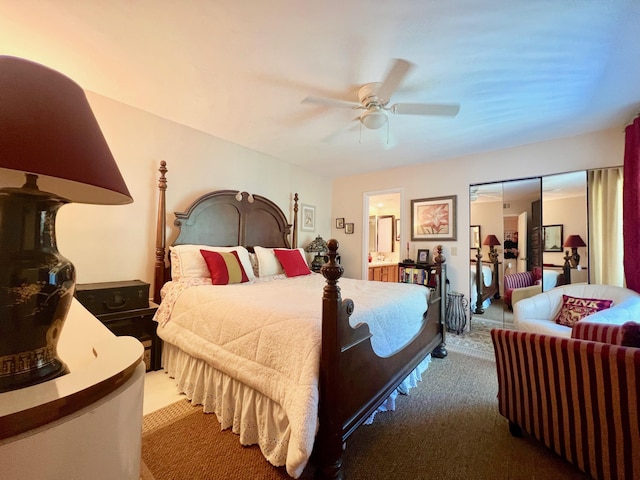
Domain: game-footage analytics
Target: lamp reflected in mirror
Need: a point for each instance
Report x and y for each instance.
(574, 242)
(492, 241)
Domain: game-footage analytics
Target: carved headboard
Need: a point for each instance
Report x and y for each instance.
(222, 218)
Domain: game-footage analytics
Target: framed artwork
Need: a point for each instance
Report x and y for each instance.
(397, 229)
(348, 228)
(474, 236)
(552, 238)
(339, 222)
(423, 256)
(308, 218)
(433, 218)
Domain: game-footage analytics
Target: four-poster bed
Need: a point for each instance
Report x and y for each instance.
(345, 392)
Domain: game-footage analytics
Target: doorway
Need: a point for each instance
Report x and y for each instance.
(382, 239)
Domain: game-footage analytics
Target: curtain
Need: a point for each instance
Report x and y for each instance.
(605, 187)
(631, 206)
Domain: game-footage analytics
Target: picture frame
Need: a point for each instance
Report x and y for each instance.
(348, 228)
(308, 218)
(340, 222)
(397, 229)
(422, 256)
(474, 237)
(552, 239)
(434, 218)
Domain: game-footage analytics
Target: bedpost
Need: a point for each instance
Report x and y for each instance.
(161, 229)
(295, 221)
(329, 440)
(479, 284)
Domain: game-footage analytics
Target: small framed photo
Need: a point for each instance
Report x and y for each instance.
(308, 218)
(423, 256)
(339, 222)
(348, 228)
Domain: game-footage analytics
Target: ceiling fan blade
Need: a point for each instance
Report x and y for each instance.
(442, 109)
(396, 74)
(331, 102)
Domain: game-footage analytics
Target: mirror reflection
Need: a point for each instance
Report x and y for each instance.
(549, 230)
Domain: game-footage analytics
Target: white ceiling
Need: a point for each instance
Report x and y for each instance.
(522, 71)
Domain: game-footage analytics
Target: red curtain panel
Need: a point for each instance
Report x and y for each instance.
(631, 205)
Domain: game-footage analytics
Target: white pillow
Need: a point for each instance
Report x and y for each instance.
(187, 261)
(268, 263)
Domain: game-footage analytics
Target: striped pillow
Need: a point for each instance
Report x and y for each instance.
(575, 309)
(224, 267)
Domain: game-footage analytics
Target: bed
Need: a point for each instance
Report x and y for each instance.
(484, 283)
(326, 354)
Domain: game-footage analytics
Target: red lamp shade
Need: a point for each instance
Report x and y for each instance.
(574, 241)
(52, 152)
(47, 128)
(491, 240)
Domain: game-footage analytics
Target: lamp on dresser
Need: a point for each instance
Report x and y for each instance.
(317, 246)
(52, 152)
(492, 241)
(574, 242)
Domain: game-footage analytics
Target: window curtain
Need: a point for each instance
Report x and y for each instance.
(604, 187)
(631, 206)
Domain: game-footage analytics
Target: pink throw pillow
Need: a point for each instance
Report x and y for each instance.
(575, 309)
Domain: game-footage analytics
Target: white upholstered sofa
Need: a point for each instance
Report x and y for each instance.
(537, 314)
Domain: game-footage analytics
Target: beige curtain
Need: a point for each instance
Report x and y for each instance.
(606, 249)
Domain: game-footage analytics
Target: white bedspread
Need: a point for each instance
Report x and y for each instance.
(267, 335)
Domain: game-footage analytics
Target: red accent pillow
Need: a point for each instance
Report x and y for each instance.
(575, 309)
(224, 267)
(292, 262)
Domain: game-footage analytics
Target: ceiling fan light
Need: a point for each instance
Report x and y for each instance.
(373, 119)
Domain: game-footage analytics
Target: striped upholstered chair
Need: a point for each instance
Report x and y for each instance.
(580, 396)
(514, 281)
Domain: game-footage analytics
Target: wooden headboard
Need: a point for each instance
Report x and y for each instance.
(223, 218)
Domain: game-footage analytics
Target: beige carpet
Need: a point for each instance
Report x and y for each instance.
(448, 429)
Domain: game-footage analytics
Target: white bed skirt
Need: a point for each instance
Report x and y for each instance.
(257, 419)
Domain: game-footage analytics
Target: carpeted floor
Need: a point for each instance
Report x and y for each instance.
(447, 428)
(476, 341)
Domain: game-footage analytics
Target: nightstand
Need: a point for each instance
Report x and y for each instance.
(138, 323)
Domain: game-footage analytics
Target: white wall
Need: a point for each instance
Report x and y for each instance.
(453, 177)
(108, 243)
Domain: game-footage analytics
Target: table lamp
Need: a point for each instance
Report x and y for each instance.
(52, 152)
(573, 242)
(317, 246)
(492, 241)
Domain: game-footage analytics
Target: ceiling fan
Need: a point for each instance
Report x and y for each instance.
(374, 99)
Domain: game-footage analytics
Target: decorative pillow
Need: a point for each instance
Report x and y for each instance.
(268, 263)
(224, 267)
(575, 309)
(188, 262)
(292, 262)
(630, 334)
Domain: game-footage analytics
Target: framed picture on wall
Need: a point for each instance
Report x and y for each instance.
(552, 238)
(339, 222)
(433, 218)
(308, 218)
(348, 228)
(474, 236)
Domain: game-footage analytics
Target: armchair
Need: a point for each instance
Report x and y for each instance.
(514, 281)
(537, 314)
(579, 395)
